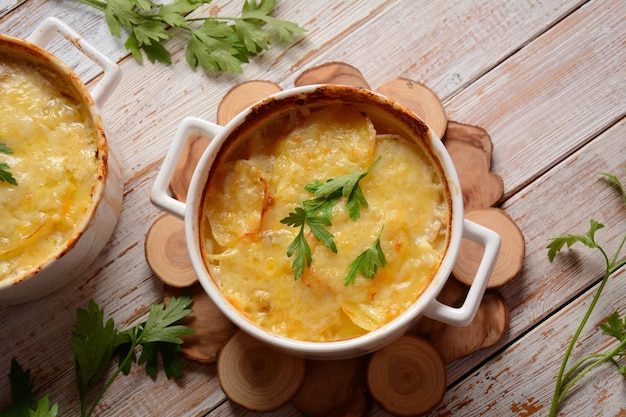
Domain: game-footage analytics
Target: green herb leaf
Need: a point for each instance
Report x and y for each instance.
(172, 364)
(348, 186)
(44, 410)
(5, 175)
(210, 48)
(557, 243)
(615, 182)
(302, 259)
(615, 326)
(160, 324)
(92, 344)
(367, 263)
(300, 247)
(5, 149)
(21, 392)
(22, 396)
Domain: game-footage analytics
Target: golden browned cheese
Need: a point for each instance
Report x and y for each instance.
(262, 181)
(53, 161)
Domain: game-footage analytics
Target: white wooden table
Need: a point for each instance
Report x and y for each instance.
(545, 79)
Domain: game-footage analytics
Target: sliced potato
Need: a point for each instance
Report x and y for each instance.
(238, 210)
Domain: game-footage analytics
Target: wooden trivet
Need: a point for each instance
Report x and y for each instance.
(429, 342)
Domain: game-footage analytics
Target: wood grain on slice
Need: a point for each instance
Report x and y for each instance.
(190, 155)
(470, 148)
(408, 377)
(333, 388)
(213, 329)
(510, 257)
(242, 96)
(332, 73)
(166, 252)
(488, 327)
(257, 376)
(420, 99)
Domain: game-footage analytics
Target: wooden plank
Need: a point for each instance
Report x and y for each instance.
(556, 93)
(6, 6)
(520, 381)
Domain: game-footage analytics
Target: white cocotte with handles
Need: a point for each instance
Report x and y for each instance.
(91, 235)
(426, 304)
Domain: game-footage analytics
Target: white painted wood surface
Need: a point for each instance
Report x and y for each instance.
(544, 78)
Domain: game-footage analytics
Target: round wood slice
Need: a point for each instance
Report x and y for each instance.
(213, 329)
(488, 327)
(166, 252)
(191, 153)
(332, 73)
(420, 99)
(243, 96)
(408, 377)
(333, 388)
(511, 254)
(470, 148)
(257, 376)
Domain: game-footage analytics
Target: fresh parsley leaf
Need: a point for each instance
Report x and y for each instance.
(160, 326)
(44, 410)
(5, 174)
(5, 149)
(172, 364)
(300, 247)
(21, 391)
(615, 182)
(615, 326)
(367, 263)
(92, 344)
(347, 186)
(261, 12)
(218, 44)
(22, 396)
(557, 243)
(209, 49)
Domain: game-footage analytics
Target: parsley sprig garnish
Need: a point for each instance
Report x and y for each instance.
(614, 325)
(5, 174)
(344, 186)
(215, 43)
(96, 342)
(317, 212)
(300, 246)
(367, 262)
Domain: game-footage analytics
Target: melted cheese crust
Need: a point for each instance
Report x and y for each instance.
(54, 163)
(262, 181)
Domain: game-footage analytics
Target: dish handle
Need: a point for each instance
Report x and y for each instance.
(161, 195)
(50, 27)
(463, 315)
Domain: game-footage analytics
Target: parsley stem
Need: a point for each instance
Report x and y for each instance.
(561, 389)
(602, 358)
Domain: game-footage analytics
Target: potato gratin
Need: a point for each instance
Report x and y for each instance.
(260, 179)
(53, 161)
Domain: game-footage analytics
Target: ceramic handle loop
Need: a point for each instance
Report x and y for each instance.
(161, 195)
(50, 27)
(463, 316)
